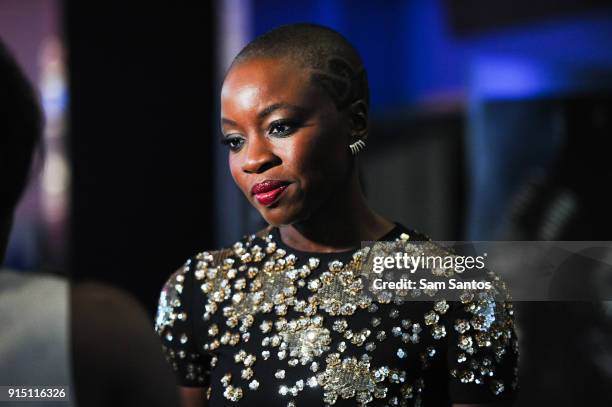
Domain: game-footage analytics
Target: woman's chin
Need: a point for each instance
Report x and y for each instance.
(276, 220)
(279, 215)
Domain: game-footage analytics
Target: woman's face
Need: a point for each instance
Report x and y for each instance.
(288, 142)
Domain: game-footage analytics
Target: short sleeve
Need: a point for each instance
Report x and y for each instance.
(482, 350)
(176, 326)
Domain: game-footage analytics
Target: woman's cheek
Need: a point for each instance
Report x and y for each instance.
(305, 151)
(237, 174)
(232, 167)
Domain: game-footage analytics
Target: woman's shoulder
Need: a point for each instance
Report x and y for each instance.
(210, 260)
(210, 270)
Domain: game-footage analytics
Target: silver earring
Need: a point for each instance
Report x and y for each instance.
(357, 146)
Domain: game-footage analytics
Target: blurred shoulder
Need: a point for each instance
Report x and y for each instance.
(35, 321)
(104, 320)
(115, 351)
(102, 302)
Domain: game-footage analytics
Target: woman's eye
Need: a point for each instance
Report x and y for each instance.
(280, 129)
(234, 143)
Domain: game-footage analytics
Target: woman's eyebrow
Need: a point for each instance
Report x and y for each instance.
(276, 106)
(267, 111)
(228, 121)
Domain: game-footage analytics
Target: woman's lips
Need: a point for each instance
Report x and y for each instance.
(267, 192)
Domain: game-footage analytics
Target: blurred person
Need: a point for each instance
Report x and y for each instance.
(269, 319)
(34, 347)
(115, 358)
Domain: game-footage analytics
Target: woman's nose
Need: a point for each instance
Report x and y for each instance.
(259, 156)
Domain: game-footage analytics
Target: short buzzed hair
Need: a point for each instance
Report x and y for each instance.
(335, 63)
(21, 124)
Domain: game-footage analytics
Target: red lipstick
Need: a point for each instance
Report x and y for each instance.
(268, 191)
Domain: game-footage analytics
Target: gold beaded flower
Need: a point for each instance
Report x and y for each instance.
(350, 378)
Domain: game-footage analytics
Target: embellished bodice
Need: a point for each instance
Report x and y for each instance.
(260, 322)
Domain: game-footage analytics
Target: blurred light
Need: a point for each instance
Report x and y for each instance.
(55, 181)
(509, 78)
(234, 30)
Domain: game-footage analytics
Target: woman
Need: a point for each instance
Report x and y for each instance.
(271, 320)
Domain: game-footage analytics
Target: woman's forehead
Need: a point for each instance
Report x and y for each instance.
(255, 84)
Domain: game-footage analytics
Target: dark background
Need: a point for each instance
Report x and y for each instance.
(141, 82)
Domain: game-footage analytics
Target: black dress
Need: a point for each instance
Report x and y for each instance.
(261, 323)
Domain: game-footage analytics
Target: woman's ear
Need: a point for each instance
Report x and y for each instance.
(358, 115)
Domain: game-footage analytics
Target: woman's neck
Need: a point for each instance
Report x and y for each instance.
(342, 224)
